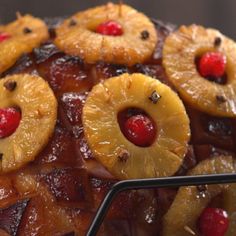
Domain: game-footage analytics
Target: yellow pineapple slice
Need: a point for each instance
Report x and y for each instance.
(38, 107)
(190, 202)
(230, 205)
(181, 48)
(120, 156)
(76, 36)
(26, 33)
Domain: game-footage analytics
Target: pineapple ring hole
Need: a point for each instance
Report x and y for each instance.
(222, 80)
(141, 137)
(110, 28)
(10, 121)
(216, 202)
(90, 26)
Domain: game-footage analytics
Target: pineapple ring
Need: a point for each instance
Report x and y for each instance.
(188, 204)
(179, 53)
(106, 140)
(38, 111)
(76, 35)
(26, 33)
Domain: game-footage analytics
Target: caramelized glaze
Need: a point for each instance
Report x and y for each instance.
(59, 192)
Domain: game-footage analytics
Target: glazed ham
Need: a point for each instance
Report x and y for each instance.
(59, 192)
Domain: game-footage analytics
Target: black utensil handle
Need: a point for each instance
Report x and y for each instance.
(153, 183)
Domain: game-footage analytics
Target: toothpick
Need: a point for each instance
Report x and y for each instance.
(18, 15)
(107, 10)
(189, 230)
(120, 8)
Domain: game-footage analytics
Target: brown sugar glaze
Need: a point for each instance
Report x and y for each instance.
(59, 192)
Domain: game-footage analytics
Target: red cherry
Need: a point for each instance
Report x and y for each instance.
(4, 36)
(9, 121)
(213, 222)
(212, 64)
(110, 28)
(140, 130)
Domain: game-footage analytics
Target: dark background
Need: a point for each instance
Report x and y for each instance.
(219, 14)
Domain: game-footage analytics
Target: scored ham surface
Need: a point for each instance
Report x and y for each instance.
(59, 192)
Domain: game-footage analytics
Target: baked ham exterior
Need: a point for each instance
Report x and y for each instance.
(59, 192)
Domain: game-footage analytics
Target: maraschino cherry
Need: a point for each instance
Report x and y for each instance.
(140, 130)
(212, 64)
(4, 36)
(9, 121)
(213, 222)
(111, 28)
